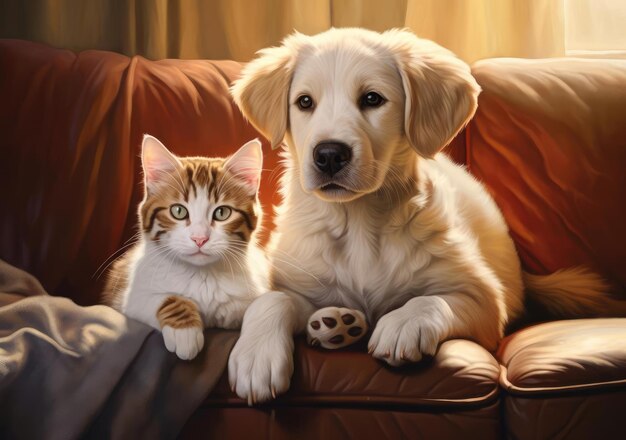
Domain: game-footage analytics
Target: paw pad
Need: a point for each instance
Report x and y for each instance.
(335, 327)
(329, 322)
(348, 318)
(355, 331)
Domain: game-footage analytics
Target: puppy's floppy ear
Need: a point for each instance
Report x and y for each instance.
(441, 93)
(262, 92)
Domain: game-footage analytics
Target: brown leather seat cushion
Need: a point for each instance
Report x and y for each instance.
(565, 379)
(565, 355)
(461, 374)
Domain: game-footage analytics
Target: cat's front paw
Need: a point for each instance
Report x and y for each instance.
(335, 327)
(185, 342)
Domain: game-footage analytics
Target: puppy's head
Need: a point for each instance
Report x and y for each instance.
(351, 103)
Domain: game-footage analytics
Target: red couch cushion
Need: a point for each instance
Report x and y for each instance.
(549, 141)
(565, 379)
(71, 129)
(461, 374)
(564, 356)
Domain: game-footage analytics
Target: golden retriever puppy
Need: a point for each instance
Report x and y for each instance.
(373, 218)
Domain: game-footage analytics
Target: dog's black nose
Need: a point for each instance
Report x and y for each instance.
(331, 157)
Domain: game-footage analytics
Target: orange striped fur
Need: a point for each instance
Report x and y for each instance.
(179, 312)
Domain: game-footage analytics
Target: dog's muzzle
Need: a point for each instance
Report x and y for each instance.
(331, 157)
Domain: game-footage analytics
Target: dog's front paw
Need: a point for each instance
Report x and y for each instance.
(260, 366)
(185, 342)
(335, 327)
(406, 334)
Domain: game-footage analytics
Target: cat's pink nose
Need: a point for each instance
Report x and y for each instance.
(200, 240)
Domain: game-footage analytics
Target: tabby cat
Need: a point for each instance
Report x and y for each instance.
(196, 263)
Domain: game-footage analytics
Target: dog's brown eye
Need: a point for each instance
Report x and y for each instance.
(372, 99)
(305, 102)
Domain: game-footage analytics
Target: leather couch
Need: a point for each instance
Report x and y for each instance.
(549, 142)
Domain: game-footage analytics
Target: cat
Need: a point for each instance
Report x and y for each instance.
(197, 263)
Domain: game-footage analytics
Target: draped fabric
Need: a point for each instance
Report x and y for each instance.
(236, 29)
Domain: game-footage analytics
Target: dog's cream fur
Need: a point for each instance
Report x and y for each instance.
(412, 240)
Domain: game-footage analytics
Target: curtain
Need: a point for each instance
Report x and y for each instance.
(596, 27)
(236, 29)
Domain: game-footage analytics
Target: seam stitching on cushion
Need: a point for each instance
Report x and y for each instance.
(585, 386)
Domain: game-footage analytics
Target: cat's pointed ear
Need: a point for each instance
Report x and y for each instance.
(157, 161)
(247, 164)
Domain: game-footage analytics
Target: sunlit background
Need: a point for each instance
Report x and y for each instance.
(236, 29)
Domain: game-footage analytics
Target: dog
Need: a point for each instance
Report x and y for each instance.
(373, 217)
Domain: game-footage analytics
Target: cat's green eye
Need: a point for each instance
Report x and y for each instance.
(179, 212)
(222, 213)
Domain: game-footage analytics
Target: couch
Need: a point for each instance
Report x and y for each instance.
(548, 141)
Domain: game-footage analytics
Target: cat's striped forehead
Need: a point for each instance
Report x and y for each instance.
(201, 173)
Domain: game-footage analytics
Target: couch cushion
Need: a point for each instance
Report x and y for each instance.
(549, 141)
(564, 356)
(461, 374)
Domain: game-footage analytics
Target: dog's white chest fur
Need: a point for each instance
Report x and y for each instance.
(372, 268)
(374, 258)
(369, 262)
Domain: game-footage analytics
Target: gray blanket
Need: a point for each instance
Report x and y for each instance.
(68, 371)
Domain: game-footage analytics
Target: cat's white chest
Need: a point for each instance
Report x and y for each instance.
(222, 296)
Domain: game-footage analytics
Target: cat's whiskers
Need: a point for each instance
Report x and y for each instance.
(290, 263)
(225, 254)
(288, 275)
(113, 257)
(239, 256)
(157, 252)
(110, 260)
(295, 266)
(135, 235)
(161, 255)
